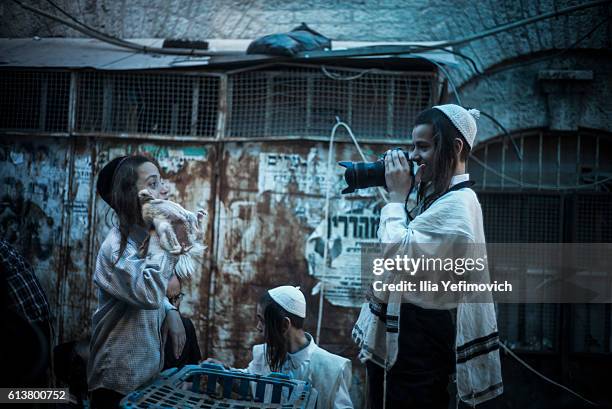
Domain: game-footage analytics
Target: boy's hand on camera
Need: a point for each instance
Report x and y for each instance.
(398, 176)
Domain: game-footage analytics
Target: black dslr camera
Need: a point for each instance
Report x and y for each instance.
(360, 175)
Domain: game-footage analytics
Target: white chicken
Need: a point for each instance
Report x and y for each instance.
(180, 231)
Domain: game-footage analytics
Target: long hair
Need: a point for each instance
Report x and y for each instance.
(124, 196)
(445, 156)
(277, 344)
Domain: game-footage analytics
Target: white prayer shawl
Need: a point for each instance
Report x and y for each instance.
(455, 217)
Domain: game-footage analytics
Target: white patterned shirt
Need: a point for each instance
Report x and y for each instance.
(126, 348)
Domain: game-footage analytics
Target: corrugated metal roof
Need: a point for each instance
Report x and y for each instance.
(91, 53)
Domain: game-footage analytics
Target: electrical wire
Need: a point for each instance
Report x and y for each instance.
(93, 33)
(511, 179)
(127, 44)
(347, 78)
(339, 123)
(71, 17)
(88, 27)
(409, 49)
(447, 75)
(516, 181)
(328, 183)
(505, 131)
(538, 186)
(366, 51)
(523, 22)
(546, 57)
(451, 51)
(526, 365)
(328, 177)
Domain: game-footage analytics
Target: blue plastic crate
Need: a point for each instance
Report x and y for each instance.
(209, 386)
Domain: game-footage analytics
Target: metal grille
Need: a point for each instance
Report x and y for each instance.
(157, 104)
(529, 327)
(592, 218)
(522, 218)
(591, 328)
(34, 101)
(592, 323)
(525, 218)
(287, 102)
(550, 161)
(298, 102)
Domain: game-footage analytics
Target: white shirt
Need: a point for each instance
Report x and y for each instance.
(297, 365)
(126, 348)
(394, 226)
(459, 178)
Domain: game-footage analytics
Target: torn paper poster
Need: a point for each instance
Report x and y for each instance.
(348, 229)
(280, 171)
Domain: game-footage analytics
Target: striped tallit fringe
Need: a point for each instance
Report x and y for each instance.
(392, 324)
(477, 347)
(357, 335)
(391, 321)
(365, 352)
(378, 309)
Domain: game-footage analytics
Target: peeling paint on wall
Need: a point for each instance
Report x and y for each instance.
(50, 211)
(33, 176)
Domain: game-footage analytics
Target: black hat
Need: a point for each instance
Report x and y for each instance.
(105, 179)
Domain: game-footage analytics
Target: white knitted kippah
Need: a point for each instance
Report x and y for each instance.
(463, 119)
(290, 298)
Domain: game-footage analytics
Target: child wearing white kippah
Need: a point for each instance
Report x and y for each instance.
(290, 350)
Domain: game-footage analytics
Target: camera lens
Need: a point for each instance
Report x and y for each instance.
(361, 175)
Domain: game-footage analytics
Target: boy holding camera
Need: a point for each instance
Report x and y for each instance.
(411, 348)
